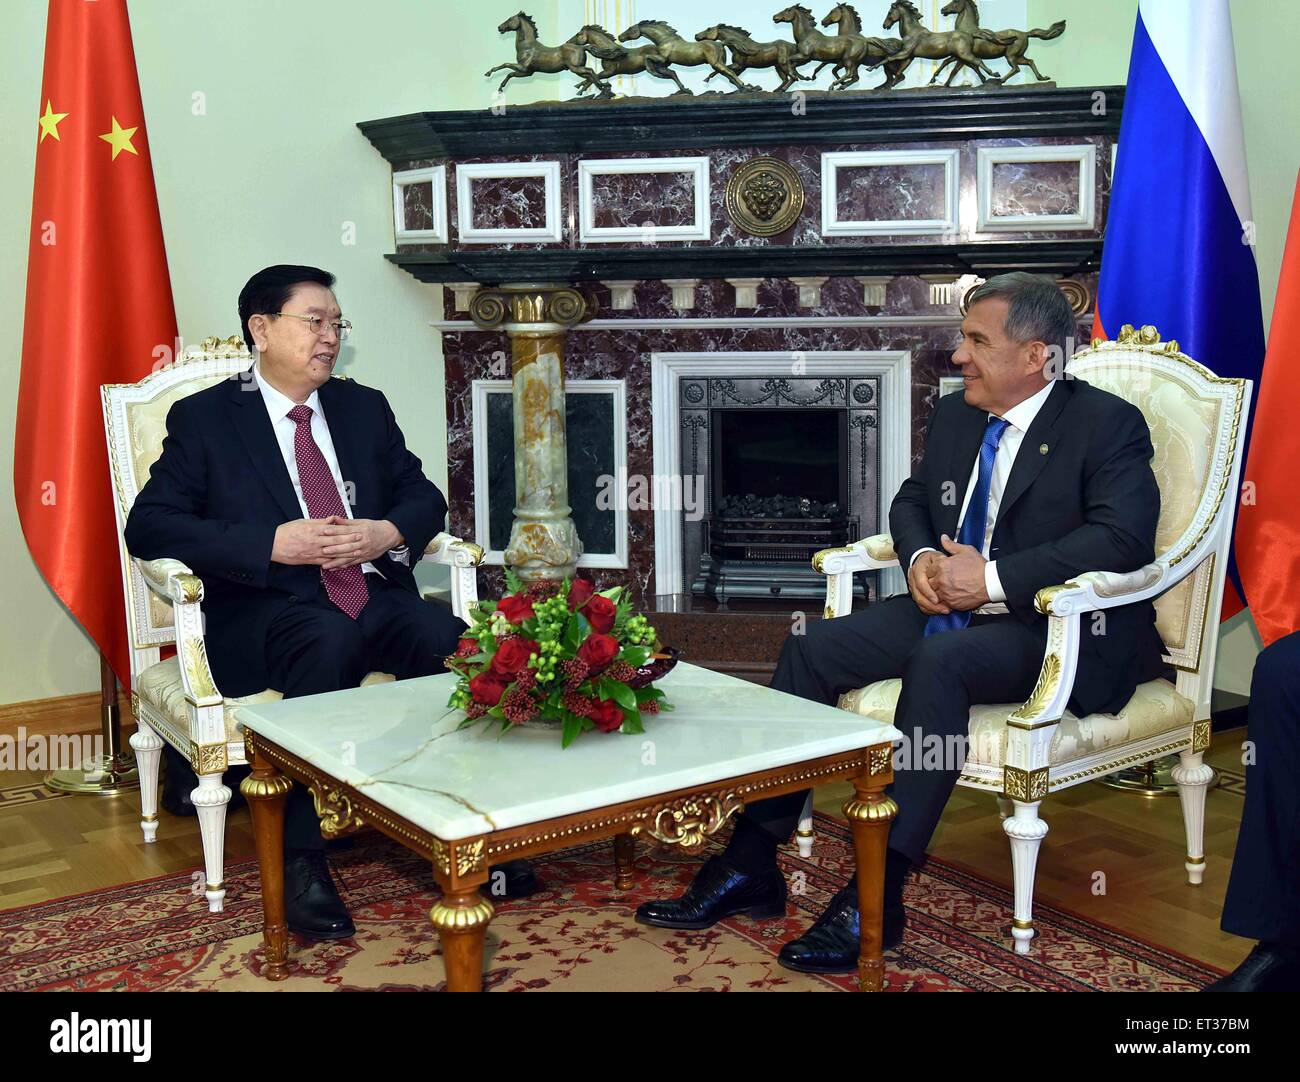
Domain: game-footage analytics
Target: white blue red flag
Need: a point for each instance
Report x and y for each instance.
(1179, 250)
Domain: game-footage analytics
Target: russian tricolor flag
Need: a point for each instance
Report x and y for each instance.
(1179, 249)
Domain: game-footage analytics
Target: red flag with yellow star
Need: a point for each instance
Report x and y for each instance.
(99, 307)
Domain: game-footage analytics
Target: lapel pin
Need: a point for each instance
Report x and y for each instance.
(1042, 448)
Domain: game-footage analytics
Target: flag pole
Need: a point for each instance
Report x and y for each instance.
(112, 770)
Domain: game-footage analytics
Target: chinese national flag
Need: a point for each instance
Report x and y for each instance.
(99, 307)
(1268, 529)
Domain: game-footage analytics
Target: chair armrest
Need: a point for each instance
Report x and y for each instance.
(1095, 590)
(839, 564)
(173, 581)
(446, 549)
(867, 554)
(462, 557)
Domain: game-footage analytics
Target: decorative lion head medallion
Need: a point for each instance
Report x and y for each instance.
(764, 197)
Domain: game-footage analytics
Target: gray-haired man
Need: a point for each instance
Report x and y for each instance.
(1057, 480)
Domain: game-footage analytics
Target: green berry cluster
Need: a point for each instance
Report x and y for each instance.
(460, 697)
(639, 632)
(552, 614)
(543, 662)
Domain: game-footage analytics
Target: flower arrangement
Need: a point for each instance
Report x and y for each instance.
(558, 652)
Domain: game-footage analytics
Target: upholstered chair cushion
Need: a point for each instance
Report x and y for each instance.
(160, 686)
(1156, 707)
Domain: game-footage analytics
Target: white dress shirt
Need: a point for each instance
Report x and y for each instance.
(1019, 417)
(278, 406)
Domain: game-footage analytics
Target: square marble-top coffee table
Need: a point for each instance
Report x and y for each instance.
(390, 757)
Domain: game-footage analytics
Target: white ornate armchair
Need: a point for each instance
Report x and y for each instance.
(1022, 752)
(176, 699)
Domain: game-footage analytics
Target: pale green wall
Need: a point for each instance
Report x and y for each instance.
(275, 168)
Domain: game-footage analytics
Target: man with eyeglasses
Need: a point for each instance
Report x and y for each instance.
(292, 494)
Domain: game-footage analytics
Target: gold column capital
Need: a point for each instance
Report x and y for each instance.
(527, 307)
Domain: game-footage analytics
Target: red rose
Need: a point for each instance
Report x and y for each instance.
(598, 651)
(512, 655)
(466, 648)
(607, 715)
(580, 592)
(516, 608)
(600, 612)
(487, 688)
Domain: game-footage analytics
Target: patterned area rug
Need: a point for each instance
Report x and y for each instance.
(577, 935)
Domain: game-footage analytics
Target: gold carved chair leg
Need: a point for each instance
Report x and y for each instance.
(266, 791)
(870, 813)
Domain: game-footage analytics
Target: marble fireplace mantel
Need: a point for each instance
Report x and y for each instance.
(906, 201)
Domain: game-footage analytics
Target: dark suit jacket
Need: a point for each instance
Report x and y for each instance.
(1088, 503)
(220, 488)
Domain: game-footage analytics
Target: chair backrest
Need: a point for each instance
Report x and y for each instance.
(1197, 422)
(135, 422)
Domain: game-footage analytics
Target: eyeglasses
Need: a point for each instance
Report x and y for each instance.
(342, 327)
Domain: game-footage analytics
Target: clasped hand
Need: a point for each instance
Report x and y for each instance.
(332, 542)
(941, 583)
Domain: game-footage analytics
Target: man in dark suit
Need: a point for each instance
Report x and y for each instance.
(1026, 480)
(1263, 900)
(292, 494)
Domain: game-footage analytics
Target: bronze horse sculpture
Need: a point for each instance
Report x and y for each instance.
(675, 49)
(747, 53)
(920, 40)
(532, 56)
(620, 61)
(990, 45)
(849, 23)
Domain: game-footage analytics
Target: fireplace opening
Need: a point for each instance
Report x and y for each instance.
(779, 493)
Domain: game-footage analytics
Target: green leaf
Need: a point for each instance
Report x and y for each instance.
(635, 656)
(572, 727)
(513, 582)
(477, 615)
(631, 722)
(620, 693)
(645, 694)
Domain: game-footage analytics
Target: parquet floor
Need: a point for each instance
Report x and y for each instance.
(1112, 857)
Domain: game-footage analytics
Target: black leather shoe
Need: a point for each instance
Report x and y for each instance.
(832, 944)
(312, 906)
(719, 890)
(513, 879)
(1270, 967)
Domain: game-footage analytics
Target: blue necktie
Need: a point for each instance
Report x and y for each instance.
(973, 525)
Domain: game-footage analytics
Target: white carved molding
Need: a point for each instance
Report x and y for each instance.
(832, 162)
(1084, 154)
(622, 294)
(810, 291)
(479, 391)
(683, 292)
(464, 292)
(466, 174)
(746, 291)
(894, 367)
(942, 288)
(699, 228)
(436, 178)
(873, 288)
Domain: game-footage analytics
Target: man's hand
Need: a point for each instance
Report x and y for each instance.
(307, 540)
(959, 579)
(372, 538)
(918, 581)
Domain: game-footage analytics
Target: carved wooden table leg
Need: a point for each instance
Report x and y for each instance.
(870, 813)
(624, 855)
(266, 790)
(461, 918)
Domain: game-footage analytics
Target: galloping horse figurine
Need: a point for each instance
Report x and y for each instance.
(847, 18)
(620, 61)
(845, 52)
(748, 53)
(919, 40)
(989, 45)
(684, 54)
(533, 56)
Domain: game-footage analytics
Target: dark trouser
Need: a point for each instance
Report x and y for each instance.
(314, 647)
(994, 660)
(1263, 900)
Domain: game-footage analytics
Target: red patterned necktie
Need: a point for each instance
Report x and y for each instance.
(346, 586)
